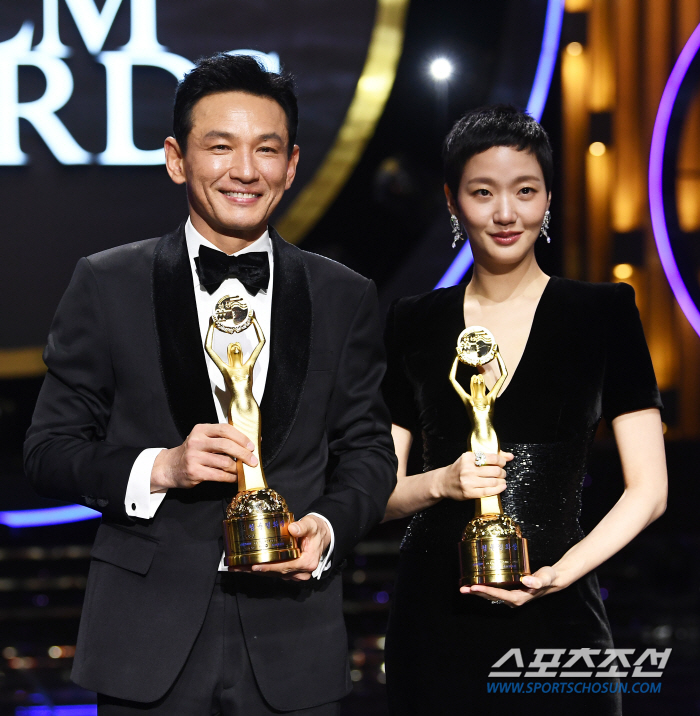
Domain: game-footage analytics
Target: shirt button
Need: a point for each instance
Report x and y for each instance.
(133, 506)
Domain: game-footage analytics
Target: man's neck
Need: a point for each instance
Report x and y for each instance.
(228, 243)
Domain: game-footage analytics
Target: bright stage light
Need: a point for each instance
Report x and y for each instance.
(623, 271)
(441, 69)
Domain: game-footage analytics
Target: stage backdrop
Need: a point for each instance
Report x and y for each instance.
(86, 90)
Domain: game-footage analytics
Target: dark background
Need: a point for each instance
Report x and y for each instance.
(389, 223)
(54, 214)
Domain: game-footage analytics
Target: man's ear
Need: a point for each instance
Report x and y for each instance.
(174, 161)
(292, 167)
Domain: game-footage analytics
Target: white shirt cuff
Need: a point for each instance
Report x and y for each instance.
(139, 501)
(325, 562)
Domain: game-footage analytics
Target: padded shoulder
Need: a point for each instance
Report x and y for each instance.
(124, 257)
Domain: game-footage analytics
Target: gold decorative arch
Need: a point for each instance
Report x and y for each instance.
(367, 105)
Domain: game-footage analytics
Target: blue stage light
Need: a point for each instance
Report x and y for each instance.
(458, 267)
(48, 516)
(80, 710)
(548, 58)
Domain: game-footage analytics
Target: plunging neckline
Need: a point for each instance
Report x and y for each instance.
(535, 316)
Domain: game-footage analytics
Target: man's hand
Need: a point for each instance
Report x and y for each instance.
(208, 454)
(313, 538)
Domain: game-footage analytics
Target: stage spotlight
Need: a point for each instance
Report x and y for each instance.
(623, 271)
(441, 69)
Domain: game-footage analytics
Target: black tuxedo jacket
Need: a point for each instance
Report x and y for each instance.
(126, 371)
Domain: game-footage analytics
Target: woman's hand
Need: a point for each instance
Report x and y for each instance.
(465, 480)
(542, 582)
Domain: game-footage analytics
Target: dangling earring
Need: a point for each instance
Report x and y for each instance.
(457, 234)
(545, 226)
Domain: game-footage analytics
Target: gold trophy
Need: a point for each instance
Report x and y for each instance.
(493, 551)
(256, 528)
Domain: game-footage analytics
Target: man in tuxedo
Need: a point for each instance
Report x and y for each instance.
(130, 421)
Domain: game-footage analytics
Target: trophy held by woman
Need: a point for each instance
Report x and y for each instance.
(492, 551)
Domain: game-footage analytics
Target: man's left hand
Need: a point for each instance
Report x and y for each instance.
(313, 537)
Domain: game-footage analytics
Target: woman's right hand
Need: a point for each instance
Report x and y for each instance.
(465, 480)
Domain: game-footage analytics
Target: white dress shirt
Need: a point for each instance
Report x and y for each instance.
(139, 500)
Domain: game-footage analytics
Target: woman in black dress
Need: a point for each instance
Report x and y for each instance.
(575, 352)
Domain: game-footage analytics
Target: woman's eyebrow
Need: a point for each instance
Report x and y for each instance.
(517, 180)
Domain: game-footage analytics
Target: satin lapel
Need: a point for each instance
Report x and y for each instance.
(180, 347)
(290, 346)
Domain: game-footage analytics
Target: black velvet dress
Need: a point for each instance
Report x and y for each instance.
(586, 358)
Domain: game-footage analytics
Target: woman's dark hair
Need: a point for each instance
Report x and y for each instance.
(494, 126)
(232, 73)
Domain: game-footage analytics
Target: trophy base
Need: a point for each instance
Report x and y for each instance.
(494, 562)
(261, 557)
(494, 553)
(256, 534)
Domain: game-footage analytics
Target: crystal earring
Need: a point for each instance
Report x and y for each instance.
(545, 226)
(457, 234)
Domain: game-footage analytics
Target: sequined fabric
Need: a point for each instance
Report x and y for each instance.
(543, 496)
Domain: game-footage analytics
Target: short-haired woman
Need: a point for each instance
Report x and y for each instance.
(575, 352)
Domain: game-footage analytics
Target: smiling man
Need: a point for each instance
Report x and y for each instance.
(131, 422)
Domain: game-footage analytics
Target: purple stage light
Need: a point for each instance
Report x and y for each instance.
(656, 198)
(535, 107)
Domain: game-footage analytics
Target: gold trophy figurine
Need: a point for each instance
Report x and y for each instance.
(256, 528)
(493, 551)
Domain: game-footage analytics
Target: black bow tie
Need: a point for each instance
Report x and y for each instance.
(214, 267)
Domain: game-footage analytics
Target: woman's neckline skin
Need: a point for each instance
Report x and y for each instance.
(505, 298)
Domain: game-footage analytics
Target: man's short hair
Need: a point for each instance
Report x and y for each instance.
(494, 126)
(232, 73)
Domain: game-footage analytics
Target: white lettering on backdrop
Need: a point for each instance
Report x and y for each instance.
(143, 49)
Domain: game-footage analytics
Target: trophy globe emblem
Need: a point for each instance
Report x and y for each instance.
(232, 315)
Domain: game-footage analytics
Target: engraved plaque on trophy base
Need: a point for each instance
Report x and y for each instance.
(493, 552)
(256, 529)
